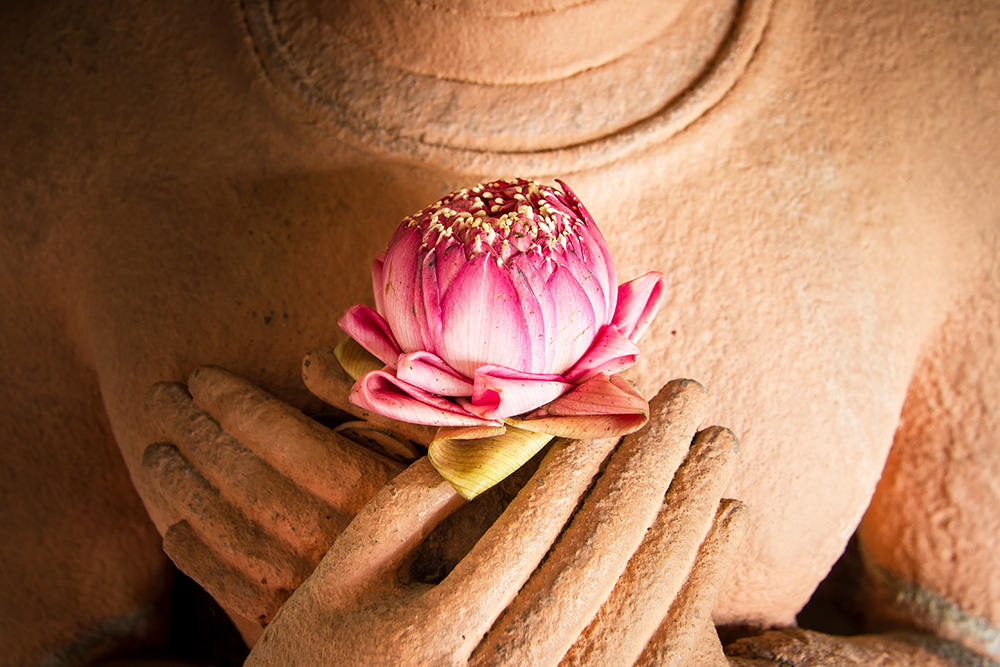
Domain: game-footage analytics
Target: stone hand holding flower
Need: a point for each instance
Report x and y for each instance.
(499, 319)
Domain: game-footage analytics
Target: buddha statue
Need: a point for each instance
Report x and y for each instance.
(191, 186)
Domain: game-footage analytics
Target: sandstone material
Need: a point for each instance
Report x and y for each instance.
(192, 183)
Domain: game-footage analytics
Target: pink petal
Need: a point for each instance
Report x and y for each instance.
(378, 285)
(429, 372)
(372, 332)
(575, 324)
(539, 312)
(573, 203)
(383, 393)
(602, 264)
(483, 319)
(400, 274)
(611, 353)
(427, 301)
(500, 392)
(573, 259)
(600, 395)
(638, 301)
(599, 408)
(448, 262)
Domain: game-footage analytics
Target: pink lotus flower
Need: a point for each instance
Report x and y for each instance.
(495, 302)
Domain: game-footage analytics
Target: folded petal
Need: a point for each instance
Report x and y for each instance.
(572, 259)
(602, 407)
(427, 303)
(356, 360)
(604, 266)
(469, 432)
(367, 327)
(499, 392)
(611, 353)
(378, 283)
(539, 312)
(448, 261)
(638, 301)
(473, 466)
(575, 321)
(383, 393)
(400, 278)
(429, 372)
(484, 323)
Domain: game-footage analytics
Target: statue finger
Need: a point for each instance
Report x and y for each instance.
(511, 549)
(266, 497)
(324, 463)
(643, 595)
(326, 379)
(367, 558)
(687, 635)
(563, 594)
(239, 542)
(237, 592)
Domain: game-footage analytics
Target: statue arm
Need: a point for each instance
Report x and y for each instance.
(929, 539)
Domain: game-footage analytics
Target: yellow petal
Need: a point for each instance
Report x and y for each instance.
(469, 432)
(473, 466)
(355, 359)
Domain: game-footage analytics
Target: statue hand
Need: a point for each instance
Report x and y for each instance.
(623, 577)
(260, 491)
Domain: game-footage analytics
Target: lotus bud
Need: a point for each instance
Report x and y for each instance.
(499, 305)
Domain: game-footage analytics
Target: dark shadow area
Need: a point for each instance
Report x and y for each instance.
(834, 607)
(200, 631)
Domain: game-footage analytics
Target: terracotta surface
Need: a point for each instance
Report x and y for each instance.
(187, 185)
(357, 609)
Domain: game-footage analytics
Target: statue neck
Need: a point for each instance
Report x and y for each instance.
(500, 41)
(511, 85)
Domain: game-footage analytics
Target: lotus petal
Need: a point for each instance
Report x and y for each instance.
(469, 432)
(384, 393)
(429, 372)
(448, 262)
(370, 329)
(378, 284)
(574, 319)
(590, 233)
(427, 302)
(583, 271)
(356, 360)
(484, 320)
(473, 466)
(399, 293)
(611, 353)
(539, 313)
(499, 392)
(638, 301)
(602, 407)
